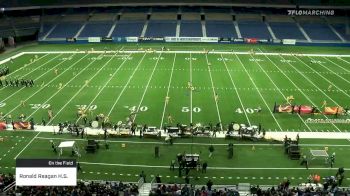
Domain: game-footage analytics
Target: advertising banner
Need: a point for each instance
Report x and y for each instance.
(289, 41)
(94, 39)
(131, 39)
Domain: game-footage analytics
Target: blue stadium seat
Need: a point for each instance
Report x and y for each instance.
(286, 30)
(64, 30)
(318, 31)
(341, 29)
(191, 29)
(46, 29)
(128, 28)
(254, 29)
(220, 29)
(96, 29)
(161, 28)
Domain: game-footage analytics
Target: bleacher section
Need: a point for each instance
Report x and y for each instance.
(128, 28)
(45, 30)
(131, 22)
(161, 28)
(164, 21)
(64, 30)
(341, 29)
(6, 28)
(26, 22)
(191, 28)
(162, 24)
(96, 29)
(339, 24)
(254, 29)
(314, 29)
(286, 30)
(220, 29)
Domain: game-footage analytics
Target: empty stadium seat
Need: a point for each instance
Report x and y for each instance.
(64, 30)
(314, 31)
(96, 29)
(161, 28)
(254, 29)
(341, 29)
(286, 30)
(191, 29)
(128, 28)
(220, 29)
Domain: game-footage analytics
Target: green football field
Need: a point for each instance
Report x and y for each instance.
(117, 83)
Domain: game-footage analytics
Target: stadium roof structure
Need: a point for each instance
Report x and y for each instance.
(308, 4)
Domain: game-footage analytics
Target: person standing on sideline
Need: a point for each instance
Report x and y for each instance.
(79, 167)
(143, 176)
(305, 162)
(204, 167)
(211, 150)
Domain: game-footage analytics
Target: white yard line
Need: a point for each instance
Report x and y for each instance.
(234, 86)
(103, 87)
(324, 78)
(214, 93)
(59, 90)
(191, 100)
(77, 93)
(11, 57)
(27, 145)
(127, 83)
(149, 80)
(337, 64)
(333, 73)
(284, 97)
(41, 87)
(314, 86)
(167, 93)
(263, 99)
(295, 86)
(343, 60)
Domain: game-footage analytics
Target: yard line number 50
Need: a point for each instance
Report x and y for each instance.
(187, 109)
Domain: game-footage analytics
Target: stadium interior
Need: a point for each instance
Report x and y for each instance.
(149, 97)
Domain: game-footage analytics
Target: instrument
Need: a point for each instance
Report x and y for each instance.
(236, 127)
(94, 124)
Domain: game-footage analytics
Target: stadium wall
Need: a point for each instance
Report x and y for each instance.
(190, 40)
